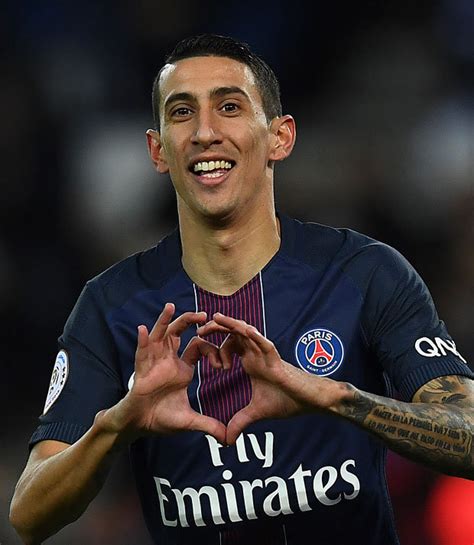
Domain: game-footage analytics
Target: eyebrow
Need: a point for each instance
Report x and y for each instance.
(217, 92)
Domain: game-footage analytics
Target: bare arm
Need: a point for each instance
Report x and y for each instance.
(435, 429)
(60, 481)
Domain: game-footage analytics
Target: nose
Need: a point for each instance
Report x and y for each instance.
(207, 130)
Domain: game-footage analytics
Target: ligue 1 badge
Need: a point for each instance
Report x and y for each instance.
(320, 352)
(58, 379)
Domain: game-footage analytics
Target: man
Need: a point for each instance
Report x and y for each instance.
(294, 335)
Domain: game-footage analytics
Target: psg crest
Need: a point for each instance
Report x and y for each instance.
(320, 352)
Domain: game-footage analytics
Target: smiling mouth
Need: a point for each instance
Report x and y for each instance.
(211, 169)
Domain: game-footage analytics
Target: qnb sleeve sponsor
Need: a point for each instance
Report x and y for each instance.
(437, 348)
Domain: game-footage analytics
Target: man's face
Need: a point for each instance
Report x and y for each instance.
(215, 140)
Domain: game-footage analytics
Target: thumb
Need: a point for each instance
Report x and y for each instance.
(238, 423)
(210, 425)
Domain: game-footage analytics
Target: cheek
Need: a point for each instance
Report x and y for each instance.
(171, 155)
(257, 141)
(263, 135)
(261, 147)
(172, 141)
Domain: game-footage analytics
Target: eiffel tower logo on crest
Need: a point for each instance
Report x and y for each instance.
(320, 355)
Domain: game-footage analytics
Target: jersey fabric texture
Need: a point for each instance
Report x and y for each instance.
(335, 303)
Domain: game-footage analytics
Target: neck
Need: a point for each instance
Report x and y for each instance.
(223, 258)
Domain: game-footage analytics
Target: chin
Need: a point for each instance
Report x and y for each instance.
(218, 214)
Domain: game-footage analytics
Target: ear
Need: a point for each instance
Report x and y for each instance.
(155, 149)
(283, 131)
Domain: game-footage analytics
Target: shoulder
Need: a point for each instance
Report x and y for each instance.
(349, 249)
(144, 270)
(375, 269)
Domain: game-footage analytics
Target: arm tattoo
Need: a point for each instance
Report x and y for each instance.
(436, 429)
(450, 389)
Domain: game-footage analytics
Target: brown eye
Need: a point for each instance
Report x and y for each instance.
(230, 107)
(181, 112)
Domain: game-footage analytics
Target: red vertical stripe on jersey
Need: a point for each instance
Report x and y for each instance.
(223, 393)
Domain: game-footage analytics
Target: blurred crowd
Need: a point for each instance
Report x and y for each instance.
(383, 96)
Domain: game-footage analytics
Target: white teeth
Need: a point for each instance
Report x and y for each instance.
(211, 165)
(212, 175)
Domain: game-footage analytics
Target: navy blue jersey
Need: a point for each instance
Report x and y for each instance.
(336, 304)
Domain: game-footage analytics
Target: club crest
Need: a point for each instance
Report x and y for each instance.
(320, 352)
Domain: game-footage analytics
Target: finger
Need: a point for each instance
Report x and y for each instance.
(142, 343)
(243, 329)
(230, 323)
(142, 339)
(234, 326)
(164, 319)
(238, 423)
(210, 328)
(209, 425)
(230, 346)
(265, 345)
(184, 321)
(198, 347)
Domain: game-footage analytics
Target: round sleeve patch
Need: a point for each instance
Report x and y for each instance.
(58, 379)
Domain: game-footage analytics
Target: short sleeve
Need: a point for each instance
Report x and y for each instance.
(85, 376)
(403, 327)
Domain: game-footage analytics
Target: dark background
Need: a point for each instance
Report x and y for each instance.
(383, 96)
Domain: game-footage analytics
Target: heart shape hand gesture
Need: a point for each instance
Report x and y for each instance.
(158, 400)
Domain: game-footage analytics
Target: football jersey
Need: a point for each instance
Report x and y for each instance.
(336, 304)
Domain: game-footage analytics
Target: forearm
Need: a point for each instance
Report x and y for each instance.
(436, 435)
(57, 490)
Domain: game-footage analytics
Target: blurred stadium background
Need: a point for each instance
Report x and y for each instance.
(383, 95)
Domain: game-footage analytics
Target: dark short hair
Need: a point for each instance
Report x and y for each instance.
(214, 45)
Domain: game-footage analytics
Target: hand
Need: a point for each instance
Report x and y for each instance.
(279, 389)
(158, 400)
